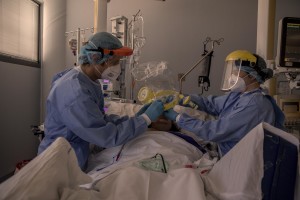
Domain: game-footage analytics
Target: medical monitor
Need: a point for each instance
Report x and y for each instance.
(288, 46)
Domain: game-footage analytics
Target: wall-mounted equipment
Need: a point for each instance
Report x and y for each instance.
(288, 50)
(288, 46)
(290, 105)
(75, 44)
(119, 28)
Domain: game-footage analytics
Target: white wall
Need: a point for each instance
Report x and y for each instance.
(79, 14)
(175, 31)
(53, 54)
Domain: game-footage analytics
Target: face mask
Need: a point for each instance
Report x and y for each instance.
(111, 73)
(232, 80)
(240, 84)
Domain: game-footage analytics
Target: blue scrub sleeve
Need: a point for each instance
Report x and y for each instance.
(225, 129)
(116, 119)
(212, 104)
(85, 119)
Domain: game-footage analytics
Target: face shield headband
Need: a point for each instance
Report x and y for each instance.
(123, 51)
(233, 68)
(254, 70)
(259, 71)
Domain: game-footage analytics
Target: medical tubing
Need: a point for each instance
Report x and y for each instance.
(163, 161)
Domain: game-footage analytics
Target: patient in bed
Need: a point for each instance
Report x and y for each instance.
(166, 125)
(162, 124)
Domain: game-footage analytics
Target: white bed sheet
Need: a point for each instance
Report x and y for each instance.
(55, 172)
(46, 176)
(176, 151)
(237, 175)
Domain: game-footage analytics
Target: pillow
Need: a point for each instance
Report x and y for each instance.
(130, 109)
(194, 113)
(122, 109)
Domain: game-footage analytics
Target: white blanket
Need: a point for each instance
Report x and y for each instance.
(55, 174)
(176, 153)
(46, 176)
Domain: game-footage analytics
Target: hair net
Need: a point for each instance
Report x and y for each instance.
(259, 71)
(100, 40)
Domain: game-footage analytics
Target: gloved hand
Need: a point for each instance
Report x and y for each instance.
(143, 109)
(171, 114)
(155, 110)
(169, 99)
(184, 100)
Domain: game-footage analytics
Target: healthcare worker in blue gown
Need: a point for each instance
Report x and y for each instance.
(240, 110)
(75, 105)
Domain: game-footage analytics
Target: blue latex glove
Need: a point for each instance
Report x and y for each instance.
(171, 114)
(143, 109)
(155, 110)
(169, 99)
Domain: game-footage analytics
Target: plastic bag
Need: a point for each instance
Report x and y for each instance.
(156, 82)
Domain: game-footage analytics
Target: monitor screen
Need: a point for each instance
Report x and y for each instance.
(288, 47)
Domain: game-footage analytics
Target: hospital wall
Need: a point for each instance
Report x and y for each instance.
(174, 29)
(19, 108)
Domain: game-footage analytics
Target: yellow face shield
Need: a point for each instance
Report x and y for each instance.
(233, 63)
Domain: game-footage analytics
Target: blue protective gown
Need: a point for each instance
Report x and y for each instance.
(75, 111)
(237, 113)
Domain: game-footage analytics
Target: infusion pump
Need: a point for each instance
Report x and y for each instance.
(290, 105)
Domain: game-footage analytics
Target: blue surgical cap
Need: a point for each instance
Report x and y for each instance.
(100, 40)
(260, 72)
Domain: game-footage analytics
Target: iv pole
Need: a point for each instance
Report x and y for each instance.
(100, 23)
(78, 44)
(199, 61)
(132, 42)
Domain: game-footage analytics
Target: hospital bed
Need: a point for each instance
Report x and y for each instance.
(263, 165)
